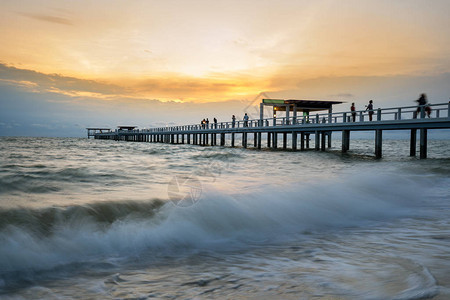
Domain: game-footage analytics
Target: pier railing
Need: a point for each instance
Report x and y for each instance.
(441, 110)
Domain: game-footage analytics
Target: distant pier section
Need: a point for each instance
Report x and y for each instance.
(92, 131)
(294, 122)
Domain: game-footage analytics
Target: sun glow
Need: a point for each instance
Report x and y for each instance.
(199, 50)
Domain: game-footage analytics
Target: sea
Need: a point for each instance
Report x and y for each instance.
(96, 219)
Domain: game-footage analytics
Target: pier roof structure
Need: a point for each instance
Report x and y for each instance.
(299, 105)
(305, 106)
(126, 127)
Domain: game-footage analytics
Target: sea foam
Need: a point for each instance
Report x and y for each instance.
(218, 220)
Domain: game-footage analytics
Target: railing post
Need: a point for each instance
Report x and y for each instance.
(345, 118)
(399, 114)
(379, 114)
(317, 118)
(361, 116)
(448, 110)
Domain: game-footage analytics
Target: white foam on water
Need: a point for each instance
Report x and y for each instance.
(218, 220)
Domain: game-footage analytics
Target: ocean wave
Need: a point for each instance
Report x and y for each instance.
(46, 221)
(41, 179)
(36, 240)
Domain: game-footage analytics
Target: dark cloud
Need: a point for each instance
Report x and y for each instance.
(40, 82)
(47, 18)
(168, 88)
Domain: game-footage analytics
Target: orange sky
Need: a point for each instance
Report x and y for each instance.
(220, 50)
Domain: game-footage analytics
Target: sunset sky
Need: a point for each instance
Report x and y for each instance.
(65, 65)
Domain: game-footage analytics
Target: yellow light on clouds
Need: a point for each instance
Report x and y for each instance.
(235, 48)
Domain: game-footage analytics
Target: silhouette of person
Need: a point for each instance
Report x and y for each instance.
(245, 120)
(353, 110)
(370, 109)
(233, 120)
(423, 102)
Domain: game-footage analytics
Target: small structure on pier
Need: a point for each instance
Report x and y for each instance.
(92, 131)
(305, 106)
(126, 128)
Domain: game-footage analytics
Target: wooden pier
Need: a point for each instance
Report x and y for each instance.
(266, 131)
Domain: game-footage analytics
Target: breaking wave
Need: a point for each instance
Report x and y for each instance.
(39, 240)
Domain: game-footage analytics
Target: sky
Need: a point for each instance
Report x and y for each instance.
(67, 65)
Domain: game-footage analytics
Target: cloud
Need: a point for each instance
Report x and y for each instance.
(47, 18)
(54, 83)
(170, 87)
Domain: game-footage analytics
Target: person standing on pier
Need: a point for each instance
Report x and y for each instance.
(422, 101)
(215, 123)
(233, 120)
(370, 109)
(353, 110)
(207, 123)
(245, 120)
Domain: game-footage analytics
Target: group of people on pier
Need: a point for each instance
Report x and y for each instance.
(205, 123)
(422, 102)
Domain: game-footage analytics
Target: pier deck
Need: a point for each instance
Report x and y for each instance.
(299, 128)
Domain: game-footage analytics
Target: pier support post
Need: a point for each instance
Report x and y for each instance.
(244, 139)
(222, 139)
(378, 143)
(269, 135)
(317, 141)
(294, 140)
(345, 140)
(329, 137)
(275, 140)
(232, 139)
(413, 142)
(423, 143)
(302, 141)
(323, 141)
(259, 140)
(307, 140)
(188, 138)
(284, 140)
(255, 140)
